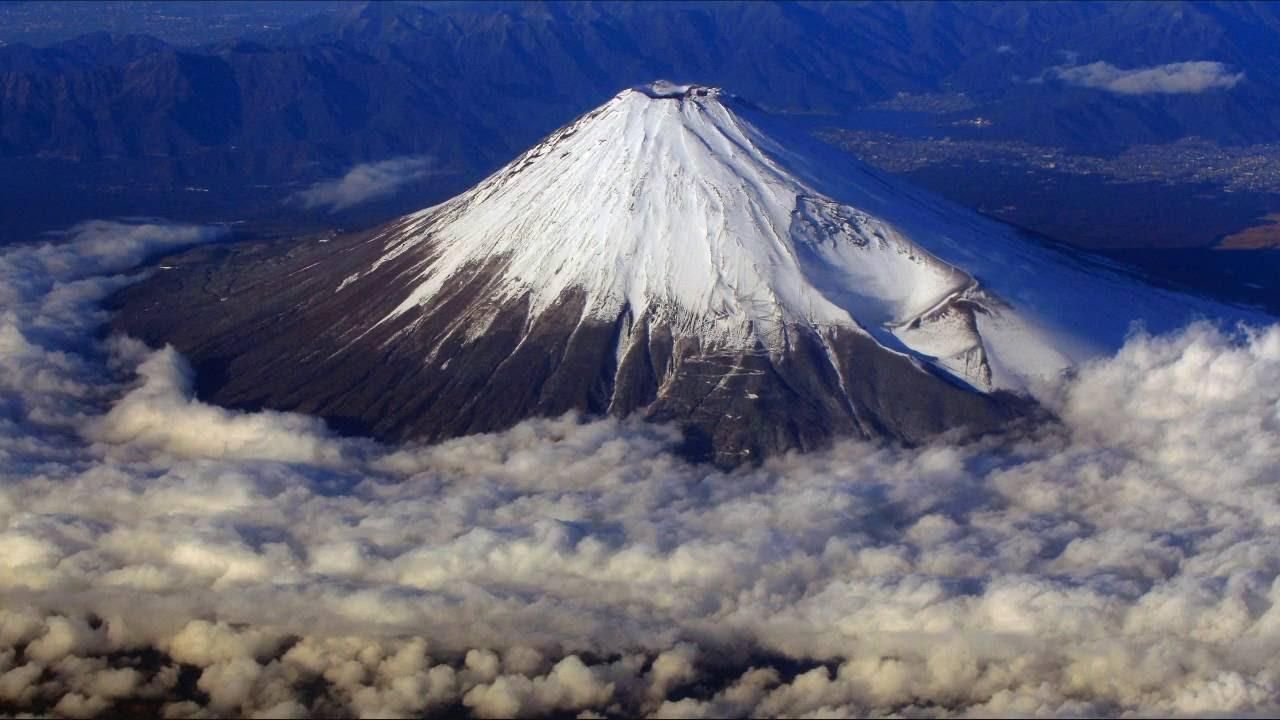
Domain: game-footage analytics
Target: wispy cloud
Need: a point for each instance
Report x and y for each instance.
(1125, 561)
(1171, 79)
(365, 182)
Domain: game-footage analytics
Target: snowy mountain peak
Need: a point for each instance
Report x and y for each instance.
(690, 214)
(666, 90)
(677, 210)
(681, 255)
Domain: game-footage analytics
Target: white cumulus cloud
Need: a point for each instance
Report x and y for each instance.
(364, 182)
(1179, 78)
(156, 550)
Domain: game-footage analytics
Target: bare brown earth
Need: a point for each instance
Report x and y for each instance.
(1258, 237)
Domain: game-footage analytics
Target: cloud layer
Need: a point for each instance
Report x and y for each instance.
(1180, 78)
(365, 182)
(162, 553)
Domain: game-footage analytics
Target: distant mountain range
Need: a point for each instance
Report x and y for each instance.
(386, 77)
(469, 84)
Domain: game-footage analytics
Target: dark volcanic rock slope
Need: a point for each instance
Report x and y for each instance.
(265, 329)
(663, 255)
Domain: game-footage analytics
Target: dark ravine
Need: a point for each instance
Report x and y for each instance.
(264, 329)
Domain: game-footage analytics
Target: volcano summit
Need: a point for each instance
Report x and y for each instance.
(675, 253)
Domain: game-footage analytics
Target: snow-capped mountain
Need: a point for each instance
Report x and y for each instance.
(677, 253)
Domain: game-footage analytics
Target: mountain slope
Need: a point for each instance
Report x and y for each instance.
(675, 252)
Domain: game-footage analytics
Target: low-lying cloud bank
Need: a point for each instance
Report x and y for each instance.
(1180, 78)
(157, 553)
(365, 182)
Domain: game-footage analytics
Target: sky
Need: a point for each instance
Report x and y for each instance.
(158, 550)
